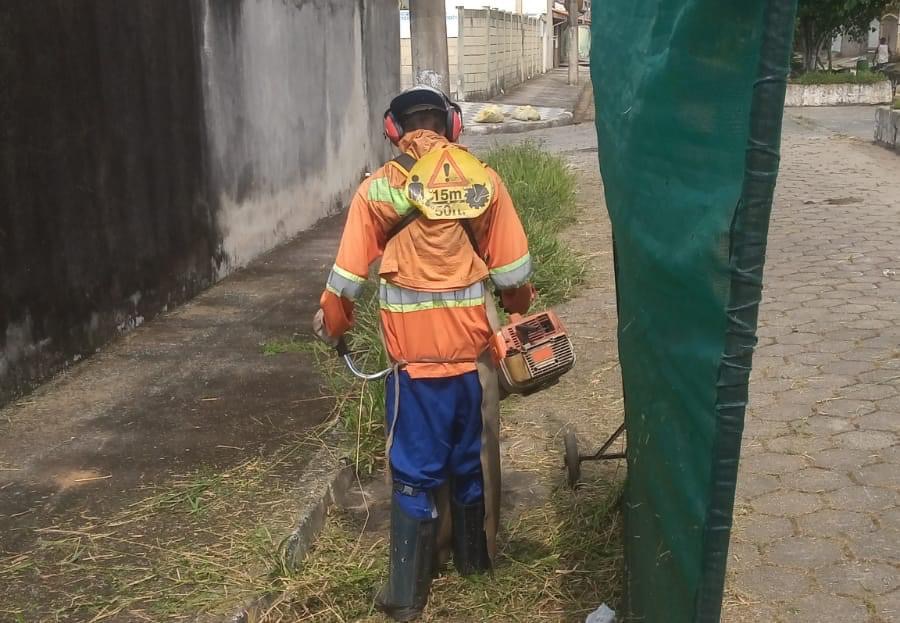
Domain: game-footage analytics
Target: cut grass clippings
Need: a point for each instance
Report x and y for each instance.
(553, 562)
(203, 543)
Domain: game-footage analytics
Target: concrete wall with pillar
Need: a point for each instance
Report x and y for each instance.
(406, 64)
(493, 51)
(151, 147)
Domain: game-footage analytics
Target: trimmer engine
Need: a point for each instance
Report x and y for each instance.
(532, 352)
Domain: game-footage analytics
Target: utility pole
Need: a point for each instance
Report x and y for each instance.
(428, 32)
(548, 37)
(572, 7)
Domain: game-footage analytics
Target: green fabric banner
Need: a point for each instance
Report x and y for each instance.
(689, 97)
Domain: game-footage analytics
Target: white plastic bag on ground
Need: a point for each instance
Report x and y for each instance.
(489, 114)
(601, 615)
(526, 113)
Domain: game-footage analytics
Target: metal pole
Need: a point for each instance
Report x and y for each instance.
(428, 32)
(461, 55)
(572, 7)
(548, 38)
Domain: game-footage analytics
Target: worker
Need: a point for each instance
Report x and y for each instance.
(447, 233)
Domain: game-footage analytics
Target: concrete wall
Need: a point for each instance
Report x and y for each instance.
(499, 50)
(890, 29)
(838, 94)
(845, 45)
(149, 148)
(887, 128)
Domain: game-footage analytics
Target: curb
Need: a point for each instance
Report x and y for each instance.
(327, 478)
(520, 126)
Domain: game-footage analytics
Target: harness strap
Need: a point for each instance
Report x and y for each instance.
(405, 161)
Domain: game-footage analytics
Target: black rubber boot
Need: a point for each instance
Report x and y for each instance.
(412, 556)
(470, 553)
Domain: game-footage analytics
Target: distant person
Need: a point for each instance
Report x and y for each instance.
(882, 55)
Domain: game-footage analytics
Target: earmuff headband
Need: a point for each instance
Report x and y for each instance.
(393, 128)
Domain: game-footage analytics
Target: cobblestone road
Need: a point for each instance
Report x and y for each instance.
(817, 521)
(817, 526)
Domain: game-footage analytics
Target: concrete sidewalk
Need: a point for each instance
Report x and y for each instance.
(550, 94)
(191, 390)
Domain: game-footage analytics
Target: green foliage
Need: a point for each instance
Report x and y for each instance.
(897, 103)
(818, 21)
(844, 77)
(850, 17)
(279, 347)
(360, 405)
(543, 190)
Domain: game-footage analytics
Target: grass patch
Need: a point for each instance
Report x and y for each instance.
(553, 561)
(279, 347)
(896, 103)
(360, 405)
(843, 77)
(543, 190)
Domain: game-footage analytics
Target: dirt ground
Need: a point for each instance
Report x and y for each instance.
(141, 463)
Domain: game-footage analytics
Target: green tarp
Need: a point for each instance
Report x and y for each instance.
(689, 97)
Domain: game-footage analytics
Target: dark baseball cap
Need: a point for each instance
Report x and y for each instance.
(419, 98)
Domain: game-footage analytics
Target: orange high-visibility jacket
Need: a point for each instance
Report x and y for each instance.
(432, 283)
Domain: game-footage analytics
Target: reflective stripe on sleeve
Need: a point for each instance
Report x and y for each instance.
(514, 274)
(344, 283)
(381, 190)
(401, 300)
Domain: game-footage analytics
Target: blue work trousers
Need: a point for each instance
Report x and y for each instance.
(437, 438)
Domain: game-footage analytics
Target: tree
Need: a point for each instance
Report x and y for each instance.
(819, 21)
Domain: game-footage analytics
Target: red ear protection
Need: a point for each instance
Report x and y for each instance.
(454, 121)
(393, 129)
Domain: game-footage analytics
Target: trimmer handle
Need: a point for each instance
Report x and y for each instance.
(343, 352)
(342, 349)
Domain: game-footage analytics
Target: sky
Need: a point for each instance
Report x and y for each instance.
(531, 7)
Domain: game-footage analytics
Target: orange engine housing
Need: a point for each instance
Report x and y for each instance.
(532, 352)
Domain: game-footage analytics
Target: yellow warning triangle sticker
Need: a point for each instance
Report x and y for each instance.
(447, 174)
(458, 185)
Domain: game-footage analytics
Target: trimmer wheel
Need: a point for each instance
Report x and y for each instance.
(573, 460)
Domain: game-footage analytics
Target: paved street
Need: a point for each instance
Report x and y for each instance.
(817, 526)
(855, 121)
(817, 522)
